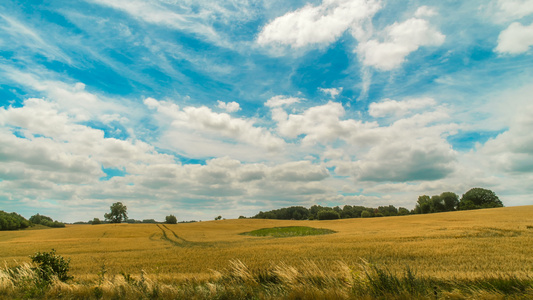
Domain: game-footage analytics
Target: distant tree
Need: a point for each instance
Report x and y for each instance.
(45, 221)
(118, 213)
(366, 214)
(171, 219)
(451, 200)
(12, 221)
(388, 210)
(242, 217)
(402, 211)
(328, 215)
(436, 204)
(150, 221)
(96, 221)
(423, 205)
(218, 218)
(479, 198)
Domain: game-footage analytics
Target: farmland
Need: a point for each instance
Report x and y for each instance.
(463, 246)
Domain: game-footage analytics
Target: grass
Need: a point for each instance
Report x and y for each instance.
(289, 231)
(480, 254)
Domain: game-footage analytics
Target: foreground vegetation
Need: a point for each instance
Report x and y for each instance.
(306, 280)
(464, 254)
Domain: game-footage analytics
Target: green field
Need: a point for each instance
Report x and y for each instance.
(477, 254)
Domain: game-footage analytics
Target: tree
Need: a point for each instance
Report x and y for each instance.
(479, 198)
(118, 213)
(171, 219)
(437, 204)
(328, 215)
(451, 200)
(423, 205)
(402, 211)
(218, 218)
(95, 221)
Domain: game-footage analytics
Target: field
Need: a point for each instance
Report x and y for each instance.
(462, 247)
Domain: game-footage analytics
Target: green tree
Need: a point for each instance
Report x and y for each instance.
(451, 200)
(118, 213)
(437, 204)
(402, 211)
(218, 218)
(171, 219)
(328, 215)
(423, 205)
(479, 198)
(95, 221)
(366, 214)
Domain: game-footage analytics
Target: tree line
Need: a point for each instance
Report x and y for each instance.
(14, 221)
(475, 198)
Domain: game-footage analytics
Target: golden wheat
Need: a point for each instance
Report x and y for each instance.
(465, 244)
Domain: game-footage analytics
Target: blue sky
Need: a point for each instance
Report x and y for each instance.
(201, 108)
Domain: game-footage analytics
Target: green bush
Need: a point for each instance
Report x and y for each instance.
(51, 265)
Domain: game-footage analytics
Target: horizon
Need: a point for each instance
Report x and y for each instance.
(200, 109)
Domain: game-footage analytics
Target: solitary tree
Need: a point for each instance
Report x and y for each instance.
(118, 213)
(171, 219)
(479, 198)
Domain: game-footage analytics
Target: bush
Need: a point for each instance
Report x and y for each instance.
(328, 215)
(51, 265)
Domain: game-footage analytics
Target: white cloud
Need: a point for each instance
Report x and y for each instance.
(512, 151)
(203, 119)
(515, 9)
(332, 92)
(322, 24)
(400, 40)
(425, 11)
(278, 101)
(229, 107)
(390, 107)
(516, 39)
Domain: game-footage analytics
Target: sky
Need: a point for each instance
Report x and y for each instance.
(203, 108)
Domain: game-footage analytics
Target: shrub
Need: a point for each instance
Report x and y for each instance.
(51, 265)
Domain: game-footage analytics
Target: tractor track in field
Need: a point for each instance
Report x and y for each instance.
(170, 236)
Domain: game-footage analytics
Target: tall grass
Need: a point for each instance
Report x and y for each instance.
(306, 280)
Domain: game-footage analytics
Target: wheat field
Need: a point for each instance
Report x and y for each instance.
(464, 244)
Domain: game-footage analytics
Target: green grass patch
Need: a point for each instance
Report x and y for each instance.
(289, 231)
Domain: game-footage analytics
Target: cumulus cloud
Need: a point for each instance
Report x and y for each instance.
(321, 24)
(515, 9)
(229, 107)
(203, 119)
(425, 11)
(512, 151)
(400, 40)
(516, 39)
(390, 107)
